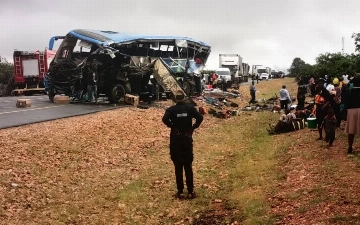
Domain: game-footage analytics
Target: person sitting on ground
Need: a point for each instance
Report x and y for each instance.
(283, 115)
(284, 124)
(290, 116)
(329, 124)
(302, 113)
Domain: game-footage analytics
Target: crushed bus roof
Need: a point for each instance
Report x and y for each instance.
(108, 37)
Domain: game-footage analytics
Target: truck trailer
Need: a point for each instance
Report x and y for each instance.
(246, 69)
(254, 72)
(234, 63)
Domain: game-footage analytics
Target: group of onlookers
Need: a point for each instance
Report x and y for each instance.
(336, 100)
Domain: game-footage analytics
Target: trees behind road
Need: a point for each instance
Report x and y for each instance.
(6, 71)
(333, 64)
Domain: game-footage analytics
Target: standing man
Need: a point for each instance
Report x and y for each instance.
(92, 85)
(301, 94)
(252, 92)
(179, 119)
(284, 98)
(312, 86)
(353, 113)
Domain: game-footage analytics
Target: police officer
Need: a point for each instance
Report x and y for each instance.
(179, 119)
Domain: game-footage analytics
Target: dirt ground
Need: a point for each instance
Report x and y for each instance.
(322, 184)
(58, 170)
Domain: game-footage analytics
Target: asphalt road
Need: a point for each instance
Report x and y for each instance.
(43, 110)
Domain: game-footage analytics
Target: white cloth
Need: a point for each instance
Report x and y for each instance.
(330, 87)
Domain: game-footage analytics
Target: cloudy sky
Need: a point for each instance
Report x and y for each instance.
(267, 32)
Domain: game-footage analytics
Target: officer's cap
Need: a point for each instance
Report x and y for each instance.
(179, 96)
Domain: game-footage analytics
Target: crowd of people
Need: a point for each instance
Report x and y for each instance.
(334, 100)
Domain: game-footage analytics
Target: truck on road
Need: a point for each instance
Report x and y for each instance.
(246, 69)
(234, 63)
(260, 72)
(254, 72)
(29, 70)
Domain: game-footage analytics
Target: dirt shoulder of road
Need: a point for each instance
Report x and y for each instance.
(114, 167)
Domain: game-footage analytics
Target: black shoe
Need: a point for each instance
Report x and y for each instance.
(192, 195)
(350, 151)
(179, 194)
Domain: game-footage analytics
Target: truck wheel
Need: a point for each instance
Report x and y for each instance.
(51, 97)
(117, 93)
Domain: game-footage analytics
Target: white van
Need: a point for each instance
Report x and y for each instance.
(223, 73)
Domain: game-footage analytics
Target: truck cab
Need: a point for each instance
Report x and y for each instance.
(223, 73)
(263, 73)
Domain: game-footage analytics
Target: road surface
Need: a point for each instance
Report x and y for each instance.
(43, 110)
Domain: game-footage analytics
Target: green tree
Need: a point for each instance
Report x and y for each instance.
(6, 70)
(332, 64)
(335, 64)
(356, 37)
(296, 67)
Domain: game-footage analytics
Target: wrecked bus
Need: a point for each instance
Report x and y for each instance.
(124, 64)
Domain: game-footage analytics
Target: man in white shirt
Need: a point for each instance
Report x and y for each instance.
(284, 98)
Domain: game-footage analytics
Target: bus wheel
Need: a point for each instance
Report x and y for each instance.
(117, 93)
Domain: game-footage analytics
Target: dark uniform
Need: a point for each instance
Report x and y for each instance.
(92, 86)
(179, 119)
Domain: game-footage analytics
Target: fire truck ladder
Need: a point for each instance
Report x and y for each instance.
(41, 63)
(17, 66)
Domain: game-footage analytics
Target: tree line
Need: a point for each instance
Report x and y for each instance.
(331, 64)
(6, 71)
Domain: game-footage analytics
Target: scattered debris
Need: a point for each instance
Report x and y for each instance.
(61, 99)
(23, 103)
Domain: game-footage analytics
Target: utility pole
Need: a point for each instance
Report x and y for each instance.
(342, 51)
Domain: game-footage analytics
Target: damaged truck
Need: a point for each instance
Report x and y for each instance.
(146, 66)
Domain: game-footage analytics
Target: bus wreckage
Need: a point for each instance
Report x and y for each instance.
(147, 66)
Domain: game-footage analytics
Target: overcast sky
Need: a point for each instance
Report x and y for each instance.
(267, 32)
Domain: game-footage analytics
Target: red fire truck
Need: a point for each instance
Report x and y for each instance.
(29, 69)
